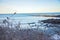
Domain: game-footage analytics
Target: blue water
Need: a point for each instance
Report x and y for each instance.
(26, 14)
(25, 17)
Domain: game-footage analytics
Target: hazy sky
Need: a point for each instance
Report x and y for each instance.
(29, 6)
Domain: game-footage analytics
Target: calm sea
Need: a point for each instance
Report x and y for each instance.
(27, 17)
(26, 14)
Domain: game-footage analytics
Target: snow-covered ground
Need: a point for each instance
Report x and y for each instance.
(32, 23)
(55, 37)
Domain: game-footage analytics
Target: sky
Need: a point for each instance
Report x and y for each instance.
(29, 6)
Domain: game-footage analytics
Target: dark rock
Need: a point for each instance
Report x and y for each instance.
(53, 21)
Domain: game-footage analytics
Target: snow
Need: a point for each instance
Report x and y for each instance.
(55, 37)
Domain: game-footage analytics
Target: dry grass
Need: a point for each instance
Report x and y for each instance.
(29, 34)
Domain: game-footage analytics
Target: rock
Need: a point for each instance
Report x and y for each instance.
(53, 21)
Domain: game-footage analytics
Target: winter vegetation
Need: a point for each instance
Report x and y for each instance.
(12, 30)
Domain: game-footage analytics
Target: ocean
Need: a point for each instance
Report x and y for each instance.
(27, 17)
(27, 14)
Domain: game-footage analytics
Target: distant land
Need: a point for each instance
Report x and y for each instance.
(51, 15)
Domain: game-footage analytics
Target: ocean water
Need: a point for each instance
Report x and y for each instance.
(27, 17)
(26, 14)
